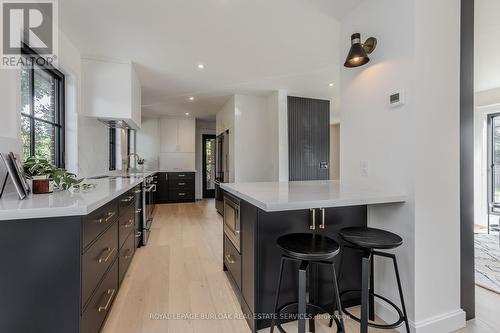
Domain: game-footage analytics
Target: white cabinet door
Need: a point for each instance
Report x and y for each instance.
(187, 135)
(169, 133)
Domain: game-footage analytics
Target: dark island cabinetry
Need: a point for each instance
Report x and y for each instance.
(62, 274)
(173, 187)
(254, 269)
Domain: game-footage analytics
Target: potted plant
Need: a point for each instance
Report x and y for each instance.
(45, 177)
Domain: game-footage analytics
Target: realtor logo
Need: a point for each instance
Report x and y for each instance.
(28, 23)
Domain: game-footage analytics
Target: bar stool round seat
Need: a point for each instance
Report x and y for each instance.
(371, 238)
(370, 241)
(309, 250)
(308, 246)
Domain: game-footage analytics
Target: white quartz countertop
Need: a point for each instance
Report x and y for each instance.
(281, 196)
(67, 203)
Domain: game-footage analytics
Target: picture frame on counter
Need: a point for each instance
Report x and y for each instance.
(13, 170)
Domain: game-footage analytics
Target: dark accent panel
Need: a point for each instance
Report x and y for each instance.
(308, 138)
(162, 188)
(40, 279)
(467, 295)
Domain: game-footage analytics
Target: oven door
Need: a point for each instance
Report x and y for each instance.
(232, 220)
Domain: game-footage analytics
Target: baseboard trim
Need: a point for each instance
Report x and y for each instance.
(446, 322)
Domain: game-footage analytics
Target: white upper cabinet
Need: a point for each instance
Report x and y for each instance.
(177, 135)
(111, 91)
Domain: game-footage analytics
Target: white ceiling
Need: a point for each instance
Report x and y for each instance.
(487, 35)
(247, 46)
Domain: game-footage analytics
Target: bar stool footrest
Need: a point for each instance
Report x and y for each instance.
(396, 324)
(308, 306)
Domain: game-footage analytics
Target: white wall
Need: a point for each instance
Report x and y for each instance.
(414, 147)
(224, 121)
(148, 143)
(202, 127)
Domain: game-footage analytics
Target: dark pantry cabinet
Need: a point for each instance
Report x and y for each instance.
(62, 274)
(175, 187)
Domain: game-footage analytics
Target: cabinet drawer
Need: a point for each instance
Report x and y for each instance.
(126, 224)
(183, 184)
(232, 259)
(181, 195)
(126, 200)
(98, 221)
(180, 175)
(97, 260)
(126, 254)
(99, 305)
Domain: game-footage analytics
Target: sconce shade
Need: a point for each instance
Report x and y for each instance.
(357, 54)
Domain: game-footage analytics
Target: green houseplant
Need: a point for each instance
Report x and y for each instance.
(39, 169)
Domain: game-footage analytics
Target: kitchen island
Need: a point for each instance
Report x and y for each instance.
(256, 214)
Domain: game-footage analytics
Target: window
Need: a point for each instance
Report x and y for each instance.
(112, 149)
(42, 111)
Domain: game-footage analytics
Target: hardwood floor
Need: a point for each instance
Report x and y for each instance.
(179, 273)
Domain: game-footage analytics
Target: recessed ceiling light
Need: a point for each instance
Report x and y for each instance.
(201, 66)
(187, 113)
(330, 84)
(191, 98)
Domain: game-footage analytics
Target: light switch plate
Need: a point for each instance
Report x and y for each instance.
(397, 99)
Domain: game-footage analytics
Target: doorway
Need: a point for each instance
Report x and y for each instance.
(208, 165)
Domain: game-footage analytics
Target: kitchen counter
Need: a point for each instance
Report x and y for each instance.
(284, 196)
(68, 203)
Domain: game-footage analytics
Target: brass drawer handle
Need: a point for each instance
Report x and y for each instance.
(182, 194)
(129, 224)
(230, 259)
(128, 199)
(103, 220)
(181, 184)
(139, 210)
(313, 225)
(110, 253)
(182, 175)
(111, 293)
(322, 225)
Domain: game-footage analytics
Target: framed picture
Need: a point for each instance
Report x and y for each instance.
(20, 173)
(14, 177)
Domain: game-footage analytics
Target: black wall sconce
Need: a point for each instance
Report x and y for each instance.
(358, 54)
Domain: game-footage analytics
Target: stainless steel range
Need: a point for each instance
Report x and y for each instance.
(148, 204)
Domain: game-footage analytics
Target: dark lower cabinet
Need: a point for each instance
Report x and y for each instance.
(99, 305)
(174, 187)
(254, 270)
(64, 273)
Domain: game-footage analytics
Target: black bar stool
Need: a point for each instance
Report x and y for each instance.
(369, 240)
(308, 249)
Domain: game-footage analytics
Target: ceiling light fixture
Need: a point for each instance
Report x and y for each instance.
(330, 84)
(358, 54)
(187, 113)
(201, 66)
(191, 98)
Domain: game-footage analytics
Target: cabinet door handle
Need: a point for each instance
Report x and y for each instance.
(127, 199)
(110, 215)
(230, 259)
(138, 210)
(106, 258)
(181, 184)
(111, 293)
(138, 234)
(137, 191)
(129, 224)
(322, 225)
(181, 175)
(313, 219)
(182, 194)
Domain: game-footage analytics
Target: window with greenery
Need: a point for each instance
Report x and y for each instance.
(42, 112)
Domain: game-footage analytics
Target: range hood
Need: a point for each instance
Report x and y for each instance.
(111, 93)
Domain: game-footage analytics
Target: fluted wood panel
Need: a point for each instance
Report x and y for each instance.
(308, 138)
